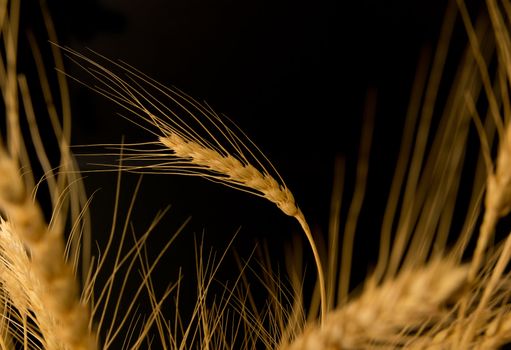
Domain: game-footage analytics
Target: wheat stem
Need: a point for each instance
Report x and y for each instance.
(317, 259)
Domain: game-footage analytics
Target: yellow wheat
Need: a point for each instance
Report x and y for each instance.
(428, 291)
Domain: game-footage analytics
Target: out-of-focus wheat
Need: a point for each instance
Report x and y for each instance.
(39, 284)
(477, 313)
(58, 293)
(390, 315)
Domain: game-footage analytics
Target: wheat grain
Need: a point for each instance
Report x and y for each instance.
(20, 289)
(38, 282)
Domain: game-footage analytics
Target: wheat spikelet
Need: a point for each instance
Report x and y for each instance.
(18, 284)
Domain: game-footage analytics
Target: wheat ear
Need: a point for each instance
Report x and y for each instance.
(228, 169)
(202, 143)
(22, 291)
(46, 248)
(231, 170)
(390, 315)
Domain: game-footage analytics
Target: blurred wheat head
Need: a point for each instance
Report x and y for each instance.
(434, 286)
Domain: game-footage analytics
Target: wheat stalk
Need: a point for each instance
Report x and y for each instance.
(477, 315)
